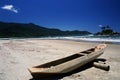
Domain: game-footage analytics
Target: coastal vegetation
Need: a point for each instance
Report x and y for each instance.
(107, 30)
(33, 30)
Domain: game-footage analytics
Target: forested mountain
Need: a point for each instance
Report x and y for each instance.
(33, 30)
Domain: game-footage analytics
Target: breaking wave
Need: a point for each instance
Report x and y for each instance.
(92, 38)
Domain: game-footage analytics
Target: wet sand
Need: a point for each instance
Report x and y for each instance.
(18, 55)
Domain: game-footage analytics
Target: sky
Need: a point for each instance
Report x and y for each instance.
(81, 15)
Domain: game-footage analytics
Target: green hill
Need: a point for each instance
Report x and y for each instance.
(32, 30)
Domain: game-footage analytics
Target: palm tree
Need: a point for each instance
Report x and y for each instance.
(103, 28)
(107, 27)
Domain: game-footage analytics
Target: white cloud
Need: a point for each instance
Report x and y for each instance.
(100, 25)
(10, 8)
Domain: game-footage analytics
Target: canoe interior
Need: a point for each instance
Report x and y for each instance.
(63, 60)
(88, 51)
(59, 61)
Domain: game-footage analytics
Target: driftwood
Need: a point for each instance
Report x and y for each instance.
(101, 65)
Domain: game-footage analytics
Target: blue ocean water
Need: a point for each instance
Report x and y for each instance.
(91, 38)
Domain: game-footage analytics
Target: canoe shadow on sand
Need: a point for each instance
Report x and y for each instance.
(58, 77)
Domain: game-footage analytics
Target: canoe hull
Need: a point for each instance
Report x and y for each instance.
(65, 65)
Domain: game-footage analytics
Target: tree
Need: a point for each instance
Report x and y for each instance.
(106, 30)
(107, 27)
(103, 28)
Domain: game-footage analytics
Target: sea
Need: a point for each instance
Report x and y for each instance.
(89, 38)
(86, 38)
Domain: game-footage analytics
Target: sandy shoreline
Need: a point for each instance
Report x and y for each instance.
(17, 55)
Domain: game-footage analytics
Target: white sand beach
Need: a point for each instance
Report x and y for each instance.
(17, 55)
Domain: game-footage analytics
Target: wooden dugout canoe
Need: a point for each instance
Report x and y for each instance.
(67, 64)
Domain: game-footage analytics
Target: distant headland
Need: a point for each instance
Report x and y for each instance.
(32, 30)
